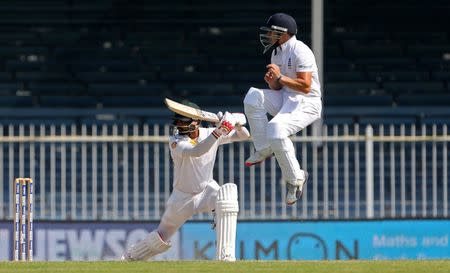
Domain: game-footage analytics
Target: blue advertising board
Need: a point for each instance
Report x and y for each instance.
(62, 241)
(333, 240)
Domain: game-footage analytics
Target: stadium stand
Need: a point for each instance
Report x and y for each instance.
(66, 62)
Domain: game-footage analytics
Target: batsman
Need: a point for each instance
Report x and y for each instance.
(193, 150)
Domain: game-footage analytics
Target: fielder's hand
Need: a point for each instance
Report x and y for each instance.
(272, 76)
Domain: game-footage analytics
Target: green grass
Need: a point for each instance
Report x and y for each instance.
(406, 266)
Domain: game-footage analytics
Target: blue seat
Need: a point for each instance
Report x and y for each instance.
(190, 76)
(423, 100)
(350, 88)
(440, 75)
(132, 101)
(387, 120)
(42, 76)
(330, 120)
(53, 88)
(219, 100)
(109, 77)
(127, 89)
(440, 120)
(358, 100)
(398, 76)
(341, 76)
(8, 88)
(413, 87)
(5, 76)
(202, 88)
(68, 101)
(16, 101)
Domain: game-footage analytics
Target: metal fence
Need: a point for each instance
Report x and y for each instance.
(124, 172)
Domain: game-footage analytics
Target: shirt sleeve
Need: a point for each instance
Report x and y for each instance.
(241, 135)
(305, 61)
(185, 148)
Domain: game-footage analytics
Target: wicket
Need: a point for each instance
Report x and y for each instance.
(20, 219)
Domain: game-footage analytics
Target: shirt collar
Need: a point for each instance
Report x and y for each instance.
(288, 43)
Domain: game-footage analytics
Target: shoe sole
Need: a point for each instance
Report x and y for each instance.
(249, 164)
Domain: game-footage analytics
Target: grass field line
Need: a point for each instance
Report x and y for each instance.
(362, 266)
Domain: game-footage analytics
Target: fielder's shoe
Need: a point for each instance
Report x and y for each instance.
(295, 192)
(258, 157)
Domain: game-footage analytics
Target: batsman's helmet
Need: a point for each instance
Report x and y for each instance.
(185, 125)
(277, 25)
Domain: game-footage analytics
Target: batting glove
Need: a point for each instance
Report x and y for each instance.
(226, 125)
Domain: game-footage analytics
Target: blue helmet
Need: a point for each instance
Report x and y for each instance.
(277, 25)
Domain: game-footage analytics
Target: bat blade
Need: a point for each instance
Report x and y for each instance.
(190, 112)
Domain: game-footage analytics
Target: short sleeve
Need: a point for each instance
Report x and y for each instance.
(305, 61)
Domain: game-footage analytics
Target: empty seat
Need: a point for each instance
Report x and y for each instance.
(42, 76)
(423, 100)
(219, 100)
(440, 75)
(414, 87)
(435, 50)
(398, 76)
(440, 120)
(68, 101)
(341, 76)
(331, 120)
(5, 76)
(358, 100)
(190, 76)
(50, 88)
(132, 101)
(105, 77)
(127, 89)
(387, 120)
(16, 101)
(350, 88)
(201, 88)
(8, 88)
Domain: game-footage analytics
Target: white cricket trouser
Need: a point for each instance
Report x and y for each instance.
(182, 206)
(291, 113)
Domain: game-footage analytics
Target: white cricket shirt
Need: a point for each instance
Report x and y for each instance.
(294, 56)
(191, 174)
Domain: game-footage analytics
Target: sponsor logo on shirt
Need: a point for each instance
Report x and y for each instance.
(305, 67)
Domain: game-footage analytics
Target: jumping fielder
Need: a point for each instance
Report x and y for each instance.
(193, 150)
(294, 101)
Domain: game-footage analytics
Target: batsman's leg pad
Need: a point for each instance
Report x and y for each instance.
(148, 247)
(227, 208)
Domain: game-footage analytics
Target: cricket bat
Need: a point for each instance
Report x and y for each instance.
(190, 112)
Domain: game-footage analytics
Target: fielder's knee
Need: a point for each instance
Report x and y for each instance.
(254, 97)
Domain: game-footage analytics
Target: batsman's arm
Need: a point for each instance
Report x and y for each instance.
(198, 150)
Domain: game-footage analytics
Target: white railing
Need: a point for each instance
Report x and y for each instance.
(109, 172)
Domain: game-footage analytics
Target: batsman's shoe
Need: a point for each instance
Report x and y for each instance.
(258, 157)
(294, 192)
(126, 256)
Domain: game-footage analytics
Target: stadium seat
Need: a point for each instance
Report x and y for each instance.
(358, 100)
(16, 101)
(423, 100)
(68, 101)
